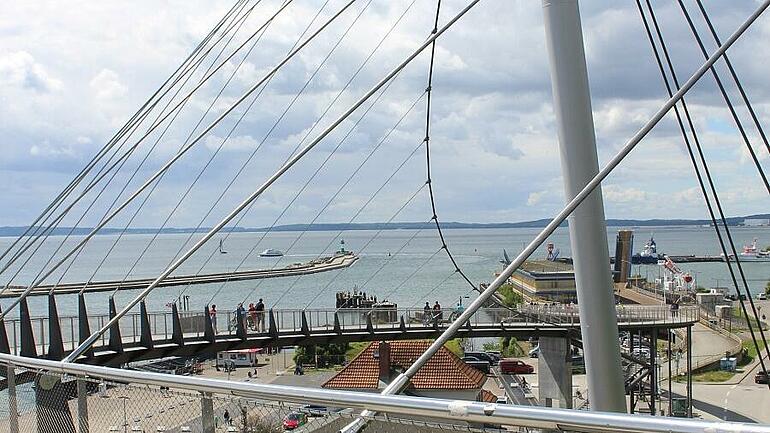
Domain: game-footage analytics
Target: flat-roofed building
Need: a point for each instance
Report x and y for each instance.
(543, 279)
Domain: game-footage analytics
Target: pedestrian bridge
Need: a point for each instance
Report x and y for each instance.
(150, 335)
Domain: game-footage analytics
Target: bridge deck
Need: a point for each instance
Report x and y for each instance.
(296, 327)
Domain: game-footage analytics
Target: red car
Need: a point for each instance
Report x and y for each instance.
(294, 420)
(515, 366)
(761, 377)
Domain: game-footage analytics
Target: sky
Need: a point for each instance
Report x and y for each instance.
(72, 73)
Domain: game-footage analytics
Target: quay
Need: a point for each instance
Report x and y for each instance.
(324, 264)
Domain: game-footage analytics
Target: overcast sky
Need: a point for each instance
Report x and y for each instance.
(71, 73)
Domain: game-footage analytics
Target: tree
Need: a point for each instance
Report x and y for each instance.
(511, 296)
(767, 288)
(324, 355)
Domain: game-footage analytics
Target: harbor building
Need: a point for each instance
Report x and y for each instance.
(546, 280)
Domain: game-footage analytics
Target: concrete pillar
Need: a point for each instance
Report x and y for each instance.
(207, 413)
(13, 406)
(587, 228)
(554, 371)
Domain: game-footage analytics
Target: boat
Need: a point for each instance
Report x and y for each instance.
(751, 253)
(221, 250)
(649, 254)
(271, 252)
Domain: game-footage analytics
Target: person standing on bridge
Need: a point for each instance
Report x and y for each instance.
(252, 316)
(426, 315)
(260, 308)
(213, 316)
(437, 314)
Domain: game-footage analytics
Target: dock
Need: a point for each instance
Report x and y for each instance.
(324, 264)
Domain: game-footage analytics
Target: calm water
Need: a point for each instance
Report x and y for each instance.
(396, 264)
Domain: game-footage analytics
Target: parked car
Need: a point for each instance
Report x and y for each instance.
(515, 366)
(314, 410)
(534, 352)
(761, 377)
(481, 356)
(294, 420)
(762, 297)
(494, 354)
(477, 363)
(503, 399)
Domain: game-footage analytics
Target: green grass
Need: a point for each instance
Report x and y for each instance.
(708, 376)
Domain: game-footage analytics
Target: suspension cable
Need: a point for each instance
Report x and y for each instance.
(695, 166)
(45, 214)
(735, 77)
(200, 173)
(726, 97)
(94, 200)
(176, 157)
(305, 137)
(104, 171)
(429, 90)
(270, 181)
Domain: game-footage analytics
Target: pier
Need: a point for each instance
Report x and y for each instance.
(324, 264)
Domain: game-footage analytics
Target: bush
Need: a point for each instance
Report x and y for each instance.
(511, 296)
(509, 347)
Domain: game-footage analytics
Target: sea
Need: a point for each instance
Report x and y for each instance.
(407, 267)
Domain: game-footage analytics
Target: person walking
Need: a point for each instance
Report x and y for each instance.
(213, 316)
(260, 309)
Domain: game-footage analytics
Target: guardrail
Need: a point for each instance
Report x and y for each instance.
(321, 320)
(106, 398)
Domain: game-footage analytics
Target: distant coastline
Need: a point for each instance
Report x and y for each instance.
(8, 231)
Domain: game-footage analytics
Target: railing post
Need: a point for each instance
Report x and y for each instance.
(177, 337)
(207, 413)
(13, 408)
(208, 326)
(146, 333)
(83, 426)
(84, 328)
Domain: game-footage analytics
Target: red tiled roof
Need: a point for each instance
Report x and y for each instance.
(487, 396)
(443, 371)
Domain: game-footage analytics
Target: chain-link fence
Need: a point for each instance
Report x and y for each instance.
(45, 402)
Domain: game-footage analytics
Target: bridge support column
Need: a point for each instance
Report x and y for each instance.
(337, 327)
(28, 347)
(208, 326)
(272, 327)
(84, 328)
(145, 334)
(207, 413)
(304, 326)
(83, 426)
(5, 346)
(13, 406)
(116, 341)
(177, 336)
(587, 228)
(56, 343)
(555, 371)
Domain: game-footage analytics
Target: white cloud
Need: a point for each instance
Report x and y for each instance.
(234, 143)
(19, 69)
(618, 194)
(106, 86)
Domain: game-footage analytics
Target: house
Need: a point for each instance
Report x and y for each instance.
(444, 376)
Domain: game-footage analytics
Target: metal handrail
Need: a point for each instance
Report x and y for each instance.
(434, 408)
